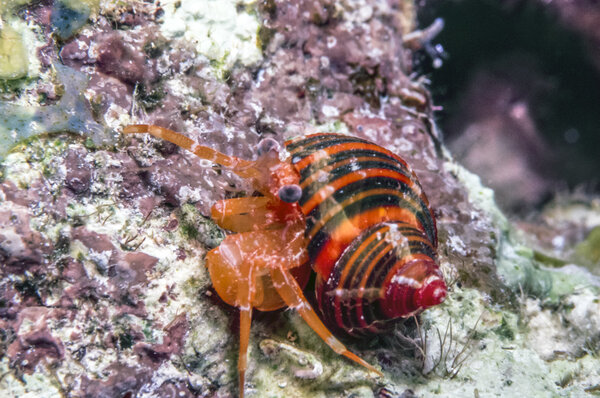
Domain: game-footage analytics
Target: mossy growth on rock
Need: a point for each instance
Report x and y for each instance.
(195, 226)
(14, 61)
(68, 16)
(588, 251)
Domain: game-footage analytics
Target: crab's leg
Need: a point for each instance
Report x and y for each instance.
(238, 267)
(245, 320)
(241, 167)
(245, 295)
(291, 293)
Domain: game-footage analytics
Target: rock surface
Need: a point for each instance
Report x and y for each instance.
(103, 290)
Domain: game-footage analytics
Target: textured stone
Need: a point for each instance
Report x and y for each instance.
(108, 288)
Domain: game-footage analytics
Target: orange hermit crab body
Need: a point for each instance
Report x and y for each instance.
(348, 207)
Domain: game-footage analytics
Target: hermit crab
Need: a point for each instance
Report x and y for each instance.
(349, 209)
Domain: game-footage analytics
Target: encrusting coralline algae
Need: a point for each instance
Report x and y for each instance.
(102, 238)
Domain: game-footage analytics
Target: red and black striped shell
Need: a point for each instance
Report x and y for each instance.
(372, 236)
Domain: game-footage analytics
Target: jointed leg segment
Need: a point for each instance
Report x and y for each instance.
(292, 294)
(245, 300)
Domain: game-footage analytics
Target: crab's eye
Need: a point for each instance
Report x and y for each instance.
(266, 145)
(290, 193)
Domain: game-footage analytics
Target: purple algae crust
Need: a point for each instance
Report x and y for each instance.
(103, 289)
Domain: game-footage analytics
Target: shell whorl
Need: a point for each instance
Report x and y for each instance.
(379, 277)
(372, 236)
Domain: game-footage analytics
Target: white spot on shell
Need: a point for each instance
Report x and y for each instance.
(402, 280)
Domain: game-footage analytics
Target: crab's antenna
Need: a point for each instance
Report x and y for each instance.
(241, 167)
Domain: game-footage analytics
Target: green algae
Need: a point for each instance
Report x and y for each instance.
(489, 349)
(14, 61)
(149, 99)
(71, 114)
(524, 273)
(516, 265)
(9, 6)
(505, 331)
(521, 267)
(22, 121)
(588, 251)
(69, 16)
(195, 226)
